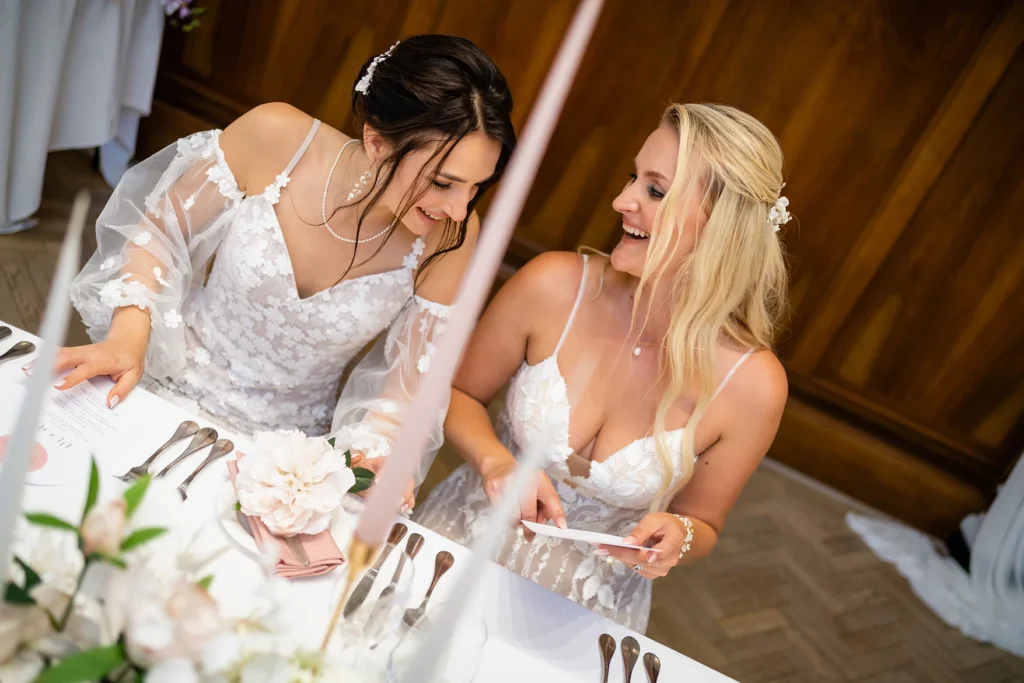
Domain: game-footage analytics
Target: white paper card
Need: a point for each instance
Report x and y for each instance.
(75, 423)
(592, 537)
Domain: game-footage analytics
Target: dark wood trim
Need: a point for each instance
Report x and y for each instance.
(970, 462)
(883, 475)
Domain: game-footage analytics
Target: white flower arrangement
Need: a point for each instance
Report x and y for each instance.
(151, 617)
(295, 483)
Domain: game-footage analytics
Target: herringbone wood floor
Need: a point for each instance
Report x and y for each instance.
(790, 594)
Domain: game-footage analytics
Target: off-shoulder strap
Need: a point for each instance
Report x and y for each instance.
(302, 150)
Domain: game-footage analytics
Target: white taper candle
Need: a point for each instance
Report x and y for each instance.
(52, 330)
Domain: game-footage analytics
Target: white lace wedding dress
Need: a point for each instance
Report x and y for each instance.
(241, 346)
(611, 498)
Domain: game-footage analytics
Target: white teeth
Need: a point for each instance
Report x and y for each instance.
(430, 215)
(634, 231)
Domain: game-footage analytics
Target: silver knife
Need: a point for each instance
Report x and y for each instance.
(362, 589)
(375, 626)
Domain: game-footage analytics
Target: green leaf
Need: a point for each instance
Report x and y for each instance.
(140, 536)
(348, 458)
(43, 519)
(133, 495)
(94, 488)
(205, 582)
(364, 479)
(331, 441)
(31, 577)
(116, 561)
(88, 665)
(16, 595)
(238, 506)
(363, 473)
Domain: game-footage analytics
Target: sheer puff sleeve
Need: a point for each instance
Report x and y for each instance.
(155, 238)
(383, 384)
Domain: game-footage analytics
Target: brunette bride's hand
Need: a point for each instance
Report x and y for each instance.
(376, 465)
(123, 360)
(540, 501)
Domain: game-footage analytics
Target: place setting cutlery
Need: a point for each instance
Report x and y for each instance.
(442, 563)
(362, 589)
(185, 429)
(207, 436)
(630, 656)
(221, 448)
(22, 348)
(375, 623)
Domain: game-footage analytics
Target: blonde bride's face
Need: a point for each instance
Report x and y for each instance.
(640, 198)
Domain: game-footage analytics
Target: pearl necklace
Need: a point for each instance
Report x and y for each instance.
(356, 191)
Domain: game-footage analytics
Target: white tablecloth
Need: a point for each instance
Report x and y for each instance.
(535, 635)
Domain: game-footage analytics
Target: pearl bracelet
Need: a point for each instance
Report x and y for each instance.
(689, 533)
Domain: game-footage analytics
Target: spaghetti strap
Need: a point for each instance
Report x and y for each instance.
(732, 371)
(302, 150)
(575, 307)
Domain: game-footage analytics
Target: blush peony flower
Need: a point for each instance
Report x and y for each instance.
(294, 484)
(104, 527)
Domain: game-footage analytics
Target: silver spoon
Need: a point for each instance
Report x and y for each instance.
(442, 563)
(22, 348)
(5, 332)
(607, 645)
(219, 450)
(652, 665)
(630, 653)
(203, 438)
(184, 430)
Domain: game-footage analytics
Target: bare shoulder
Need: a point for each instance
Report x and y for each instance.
(551, 279)
(760, 387)
(260, 143)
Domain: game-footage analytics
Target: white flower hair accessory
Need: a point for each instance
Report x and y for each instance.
(779, 215)
(363, 86)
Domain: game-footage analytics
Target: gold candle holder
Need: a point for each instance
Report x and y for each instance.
(358, 558)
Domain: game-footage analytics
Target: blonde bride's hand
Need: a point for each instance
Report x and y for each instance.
(539, 503)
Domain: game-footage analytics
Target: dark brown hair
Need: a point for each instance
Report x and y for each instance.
(432, 89)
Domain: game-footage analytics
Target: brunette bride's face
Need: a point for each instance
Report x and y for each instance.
(448, 191)
(640, 198)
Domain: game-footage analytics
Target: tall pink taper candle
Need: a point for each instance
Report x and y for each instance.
(495, 234)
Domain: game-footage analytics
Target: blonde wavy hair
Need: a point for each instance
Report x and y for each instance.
(732, 286)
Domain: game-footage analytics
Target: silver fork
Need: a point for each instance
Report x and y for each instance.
(203, 438)
(184, 430)
(220, 449)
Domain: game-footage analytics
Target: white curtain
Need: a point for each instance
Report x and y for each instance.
(986, 604)
(74, 74)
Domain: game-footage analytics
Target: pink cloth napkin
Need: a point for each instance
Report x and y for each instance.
(321, 549)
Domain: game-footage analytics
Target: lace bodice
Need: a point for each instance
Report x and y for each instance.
(613, 496)
(243, 347)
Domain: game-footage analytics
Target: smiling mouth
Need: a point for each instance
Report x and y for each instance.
(430, 216)
(635, 233)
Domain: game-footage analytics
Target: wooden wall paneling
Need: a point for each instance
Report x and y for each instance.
(957, 270)
(933, 149)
